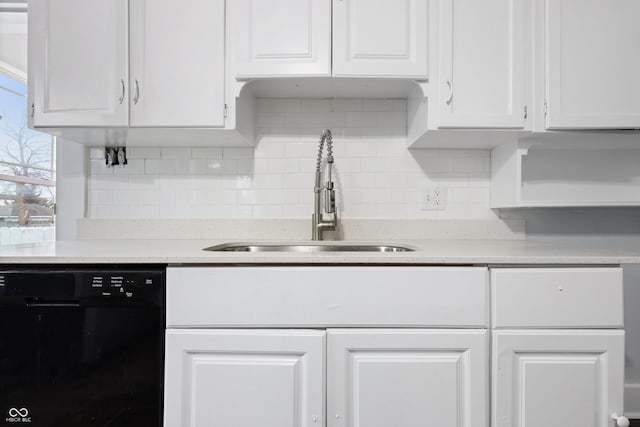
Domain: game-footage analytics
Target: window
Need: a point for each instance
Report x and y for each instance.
(27, 157)
(27, 175)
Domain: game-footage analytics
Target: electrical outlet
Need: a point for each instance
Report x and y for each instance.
(433, 198)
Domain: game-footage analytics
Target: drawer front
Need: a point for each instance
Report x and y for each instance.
(557, 297)
(327, 296)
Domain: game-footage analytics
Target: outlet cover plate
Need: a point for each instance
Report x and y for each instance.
(433, 198)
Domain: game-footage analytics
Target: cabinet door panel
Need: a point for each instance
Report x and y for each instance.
(402, 378)
(177, 63)
(386, 38)
(593, 64)
(79, 77)
(481, 64)
(557, 378)
(282, 37)
(245, 378)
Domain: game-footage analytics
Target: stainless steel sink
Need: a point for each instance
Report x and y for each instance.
(306, 247)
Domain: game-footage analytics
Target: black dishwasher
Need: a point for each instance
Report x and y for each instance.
(81, 346)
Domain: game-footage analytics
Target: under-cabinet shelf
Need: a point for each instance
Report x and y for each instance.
(551, 175)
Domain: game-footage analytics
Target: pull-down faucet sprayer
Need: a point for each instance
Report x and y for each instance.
(318, 222)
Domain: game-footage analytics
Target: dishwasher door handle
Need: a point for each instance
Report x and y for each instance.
(49, 302)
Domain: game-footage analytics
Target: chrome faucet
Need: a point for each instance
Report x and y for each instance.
(318, 223)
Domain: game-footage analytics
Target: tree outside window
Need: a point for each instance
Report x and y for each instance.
(27, 175)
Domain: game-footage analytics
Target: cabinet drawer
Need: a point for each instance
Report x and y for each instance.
(557, 297)
(327, 296)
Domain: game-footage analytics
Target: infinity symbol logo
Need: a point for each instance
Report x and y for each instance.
(15, 412)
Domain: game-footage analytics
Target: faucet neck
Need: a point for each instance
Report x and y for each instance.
(319, 224)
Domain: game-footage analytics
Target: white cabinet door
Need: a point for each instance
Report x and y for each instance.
(481, 64)
(385, 38)
(248, 378)
(410, 377)
(593, 64)
(80, 72)
(281, 37)
(557, 378)
(177, 63)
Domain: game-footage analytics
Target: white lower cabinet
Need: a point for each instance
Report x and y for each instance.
(394, 346)
(557, 378)
(374, 378)
(557, 347)
(406, 377)
(244, 378)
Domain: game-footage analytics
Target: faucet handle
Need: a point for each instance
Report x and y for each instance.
(330, 200)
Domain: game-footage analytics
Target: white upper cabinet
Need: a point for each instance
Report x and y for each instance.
(384, 38)
(481, 59)
(370, 38)
(78, 62)
(177, 63)
(282, 37)
(592, 64)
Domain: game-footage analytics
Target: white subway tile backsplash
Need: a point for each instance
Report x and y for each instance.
(237, 153)
(299, 150)
(190, 166)
(394, 119)
(263, 105)
(133, 167)
(346, 104)
(269, 149)
(206, 153)
(305, 120)
(330, 120)
(470, 164)
(270, 120)
(375, 175)
(358, 180)
(373, 104)
(399, 105)
(285, 105)
(175, 152)
(268, 211)
(98, 167)
(109, 182)
(316, 106)
(283, 165)
(96, 153)
(269, 181)
(361, 150)
(282, 197)
(143, 152)
(297, 211)
(102, 197)
(377, 164)
(360, 119)
(144, 211)
(160, 166)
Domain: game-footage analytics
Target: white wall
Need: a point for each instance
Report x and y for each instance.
(376, 176)
(71, 187)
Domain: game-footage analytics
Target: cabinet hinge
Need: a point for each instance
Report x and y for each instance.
(525, 112)
(33, 109)
(545, 108)
(225, 111)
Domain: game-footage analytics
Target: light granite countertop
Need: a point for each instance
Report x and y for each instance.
(190, 251)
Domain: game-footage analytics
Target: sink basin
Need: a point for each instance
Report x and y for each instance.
(306, 247)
